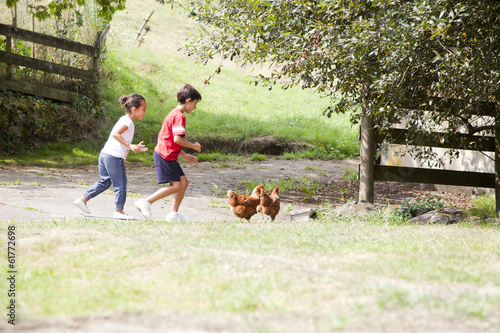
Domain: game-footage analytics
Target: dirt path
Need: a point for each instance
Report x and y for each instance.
(34, 193)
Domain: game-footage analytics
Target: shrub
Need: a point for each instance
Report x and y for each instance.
(258, 157)
(27, 122)
(483, 206)
(418, 207)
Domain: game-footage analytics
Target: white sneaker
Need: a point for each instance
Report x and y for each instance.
(80, 204)
(175, 217)
(120, 216)
(144, 207)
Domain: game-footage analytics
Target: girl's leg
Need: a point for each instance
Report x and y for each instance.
(179, 195)
(101, 185)
(118, 176)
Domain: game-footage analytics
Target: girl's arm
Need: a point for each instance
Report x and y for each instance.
(118, 136)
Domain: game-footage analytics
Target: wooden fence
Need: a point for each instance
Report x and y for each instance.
(435, 176)
(6, 56)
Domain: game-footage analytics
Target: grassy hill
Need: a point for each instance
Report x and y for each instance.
(233, 108)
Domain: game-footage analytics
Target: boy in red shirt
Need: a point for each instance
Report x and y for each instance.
(169, 147)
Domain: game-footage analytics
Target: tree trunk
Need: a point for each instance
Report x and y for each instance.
(497, 165)
(367, 157)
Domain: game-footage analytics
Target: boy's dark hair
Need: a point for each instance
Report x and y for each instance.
(131, 101)
(187, 91)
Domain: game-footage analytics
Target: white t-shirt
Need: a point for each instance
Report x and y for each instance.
(112, 146)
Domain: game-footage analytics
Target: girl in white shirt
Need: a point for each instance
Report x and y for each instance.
(113, 155)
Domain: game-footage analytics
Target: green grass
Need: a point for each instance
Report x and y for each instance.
(483, 206)
(220, 157)
(232, 108)
(285, 184)
(333, 273)
(63, 155)
(258, 157)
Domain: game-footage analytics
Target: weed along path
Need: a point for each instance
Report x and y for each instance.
(41, 194)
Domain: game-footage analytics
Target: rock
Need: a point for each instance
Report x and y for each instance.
(356, 209)
(446, 216)
(304, 214)
(492, 220)
(263, 145)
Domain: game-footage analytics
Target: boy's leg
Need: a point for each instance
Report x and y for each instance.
(179, 195)
(144, 205)
(165, 172)
(164, 192)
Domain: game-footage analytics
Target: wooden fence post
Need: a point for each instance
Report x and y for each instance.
(8, 49)
(33, 29)
(367, 157)
(14, 24)
(142, 27)
(98, 44)
(95, 57)
(10, 41)
(497, 164)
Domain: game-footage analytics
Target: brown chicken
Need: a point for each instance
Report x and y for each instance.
(245, 206)
(269, 204)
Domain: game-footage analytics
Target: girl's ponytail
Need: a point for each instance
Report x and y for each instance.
(131, 101)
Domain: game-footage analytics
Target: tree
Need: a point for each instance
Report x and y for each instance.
(392, 52)
(383, 57)
(55, 7)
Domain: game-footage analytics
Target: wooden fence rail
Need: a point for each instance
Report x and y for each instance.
(427, 175)
(91, 75)
(473, 142)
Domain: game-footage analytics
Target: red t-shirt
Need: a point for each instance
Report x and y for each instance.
(173, 124)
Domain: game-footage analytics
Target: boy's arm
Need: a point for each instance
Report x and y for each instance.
(188, 157)
(196, 146)
(182, 142)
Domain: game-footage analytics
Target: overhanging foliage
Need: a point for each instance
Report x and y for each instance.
(56, 7)
(390, 55)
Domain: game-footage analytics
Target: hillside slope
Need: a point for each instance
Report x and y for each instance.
(233, 108)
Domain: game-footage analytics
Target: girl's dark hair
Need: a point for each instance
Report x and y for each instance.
(131, 101)
(187, 91)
